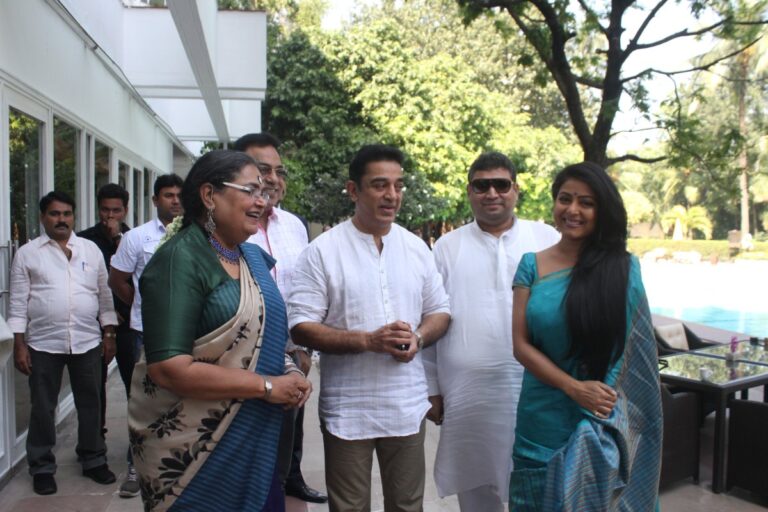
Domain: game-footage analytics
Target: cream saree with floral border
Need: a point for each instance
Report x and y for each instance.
(171, 437)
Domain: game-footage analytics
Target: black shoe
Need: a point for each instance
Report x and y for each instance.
(100, 474)
(44, 483)
(305, 493)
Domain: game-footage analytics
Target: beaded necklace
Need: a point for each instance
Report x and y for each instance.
(231, 256)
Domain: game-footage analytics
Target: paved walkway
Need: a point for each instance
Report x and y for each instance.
(77, 493)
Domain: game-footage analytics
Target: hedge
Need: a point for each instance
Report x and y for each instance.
(707, 248)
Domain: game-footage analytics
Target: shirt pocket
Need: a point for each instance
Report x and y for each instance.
(86, 274)
(148, 250)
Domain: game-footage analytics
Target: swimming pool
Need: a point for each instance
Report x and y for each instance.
(749, 322)
(728, 296)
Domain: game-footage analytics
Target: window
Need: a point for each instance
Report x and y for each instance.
(66, 158)
(137, 194)
(24, 135)
(148, 193)
(101, 170)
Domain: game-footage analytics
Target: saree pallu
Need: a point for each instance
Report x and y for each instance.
(614, 463)
(173, 438)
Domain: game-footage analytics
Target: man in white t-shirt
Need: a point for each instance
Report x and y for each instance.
(472, 372)
(136, 248)
(367, 295)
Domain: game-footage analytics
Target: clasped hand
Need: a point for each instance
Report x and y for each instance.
(290, 390)
(391, 338)
(595, 396)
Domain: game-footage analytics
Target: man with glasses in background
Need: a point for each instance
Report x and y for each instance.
(474, 380)
(283, 235)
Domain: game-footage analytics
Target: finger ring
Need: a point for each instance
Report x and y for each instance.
(596, 413)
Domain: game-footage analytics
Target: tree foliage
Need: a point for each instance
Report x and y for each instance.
(380, 80)
(716, 125)
(558, 32)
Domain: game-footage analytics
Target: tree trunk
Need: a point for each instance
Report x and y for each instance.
(741, 92)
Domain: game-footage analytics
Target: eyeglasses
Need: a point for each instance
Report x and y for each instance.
(267, 169)
(481, 186)
(251, 191)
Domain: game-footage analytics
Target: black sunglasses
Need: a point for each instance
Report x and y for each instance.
(481, 186)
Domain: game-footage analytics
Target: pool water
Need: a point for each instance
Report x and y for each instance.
(749, 322)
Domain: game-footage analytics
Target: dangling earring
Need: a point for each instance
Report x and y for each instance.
(210, 225)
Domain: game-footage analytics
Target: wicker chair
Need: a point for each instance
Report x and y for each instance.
(680, 449)
(694, 342)
(748, 446)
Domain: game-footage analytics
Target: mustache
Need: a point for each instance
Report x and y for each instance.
(61, 225)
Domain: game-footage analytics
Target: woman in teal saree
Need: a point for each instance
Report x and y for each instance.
(589, 426)
(208, 394)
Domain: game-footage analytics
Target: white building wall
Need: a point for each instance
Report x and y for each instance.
(40, 53)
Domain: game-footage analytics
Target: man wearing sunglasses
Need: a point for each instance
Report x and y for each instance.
(474, 379)
(283, 235)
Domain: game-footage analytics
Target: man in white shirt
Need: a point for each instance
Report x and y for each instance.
(60, 299)
(136, 248)
(368, 296)
(474, 379)
(283, 235)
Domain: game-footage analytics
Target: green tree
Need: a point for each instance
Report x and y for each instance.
(690, 219)
(558, 31)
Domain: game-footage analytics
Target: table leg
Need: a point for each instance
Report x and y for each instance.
(718, 457)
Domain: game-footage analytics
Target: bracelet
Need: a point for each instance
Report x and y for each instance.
(419, 340)
(267, 388)
(110, 335)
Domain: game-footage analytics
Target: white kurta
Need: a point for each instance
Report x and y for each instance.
(472, 366)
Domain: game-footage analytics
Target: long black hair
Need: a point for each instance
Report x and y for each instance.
(214, 167)
(597, 294)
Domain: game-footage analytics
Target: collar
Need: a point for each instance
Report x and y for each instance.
(513, 227)
(368, 236)
(44, 239)
(159, 225)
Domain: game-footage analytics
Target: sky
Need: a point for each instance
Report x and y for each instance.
(673, 56)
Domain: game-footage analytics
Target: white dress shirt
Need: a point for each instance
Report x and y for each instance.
(136, 248)
(341, 280)
(472, 366)
(60, 303)
(284, 239)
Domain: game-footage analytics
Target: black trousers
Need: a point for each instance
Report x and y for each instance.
(45, 385)
(126, 360)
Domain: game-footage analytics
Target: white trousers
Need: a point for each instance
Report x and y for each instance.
(484, 498)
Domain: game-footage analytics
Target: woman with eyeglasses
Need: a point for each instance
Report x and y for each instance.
(589, 425)
(208, 393)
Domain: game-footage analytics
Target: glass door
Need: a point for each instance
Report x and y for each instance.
(23, 172)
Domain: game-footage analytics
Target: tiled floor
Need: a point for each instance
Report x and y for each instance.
(80, 494)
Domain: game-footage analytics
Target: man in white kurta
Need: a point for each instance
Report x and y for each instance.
(368, 296)
(474, 380)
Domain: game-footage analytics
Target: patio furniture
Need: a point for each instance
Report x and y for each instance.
(676, 337)
(684, 371)
(748, 446)
(680, 449)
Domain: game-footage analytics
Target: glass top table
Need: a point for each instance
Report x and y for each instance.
(747, 352)
(712, 374)
(713, 370)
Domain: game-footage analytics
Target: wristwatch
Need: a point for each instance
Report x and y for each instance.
(419, 340)
(110, 335)
(267, 388)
